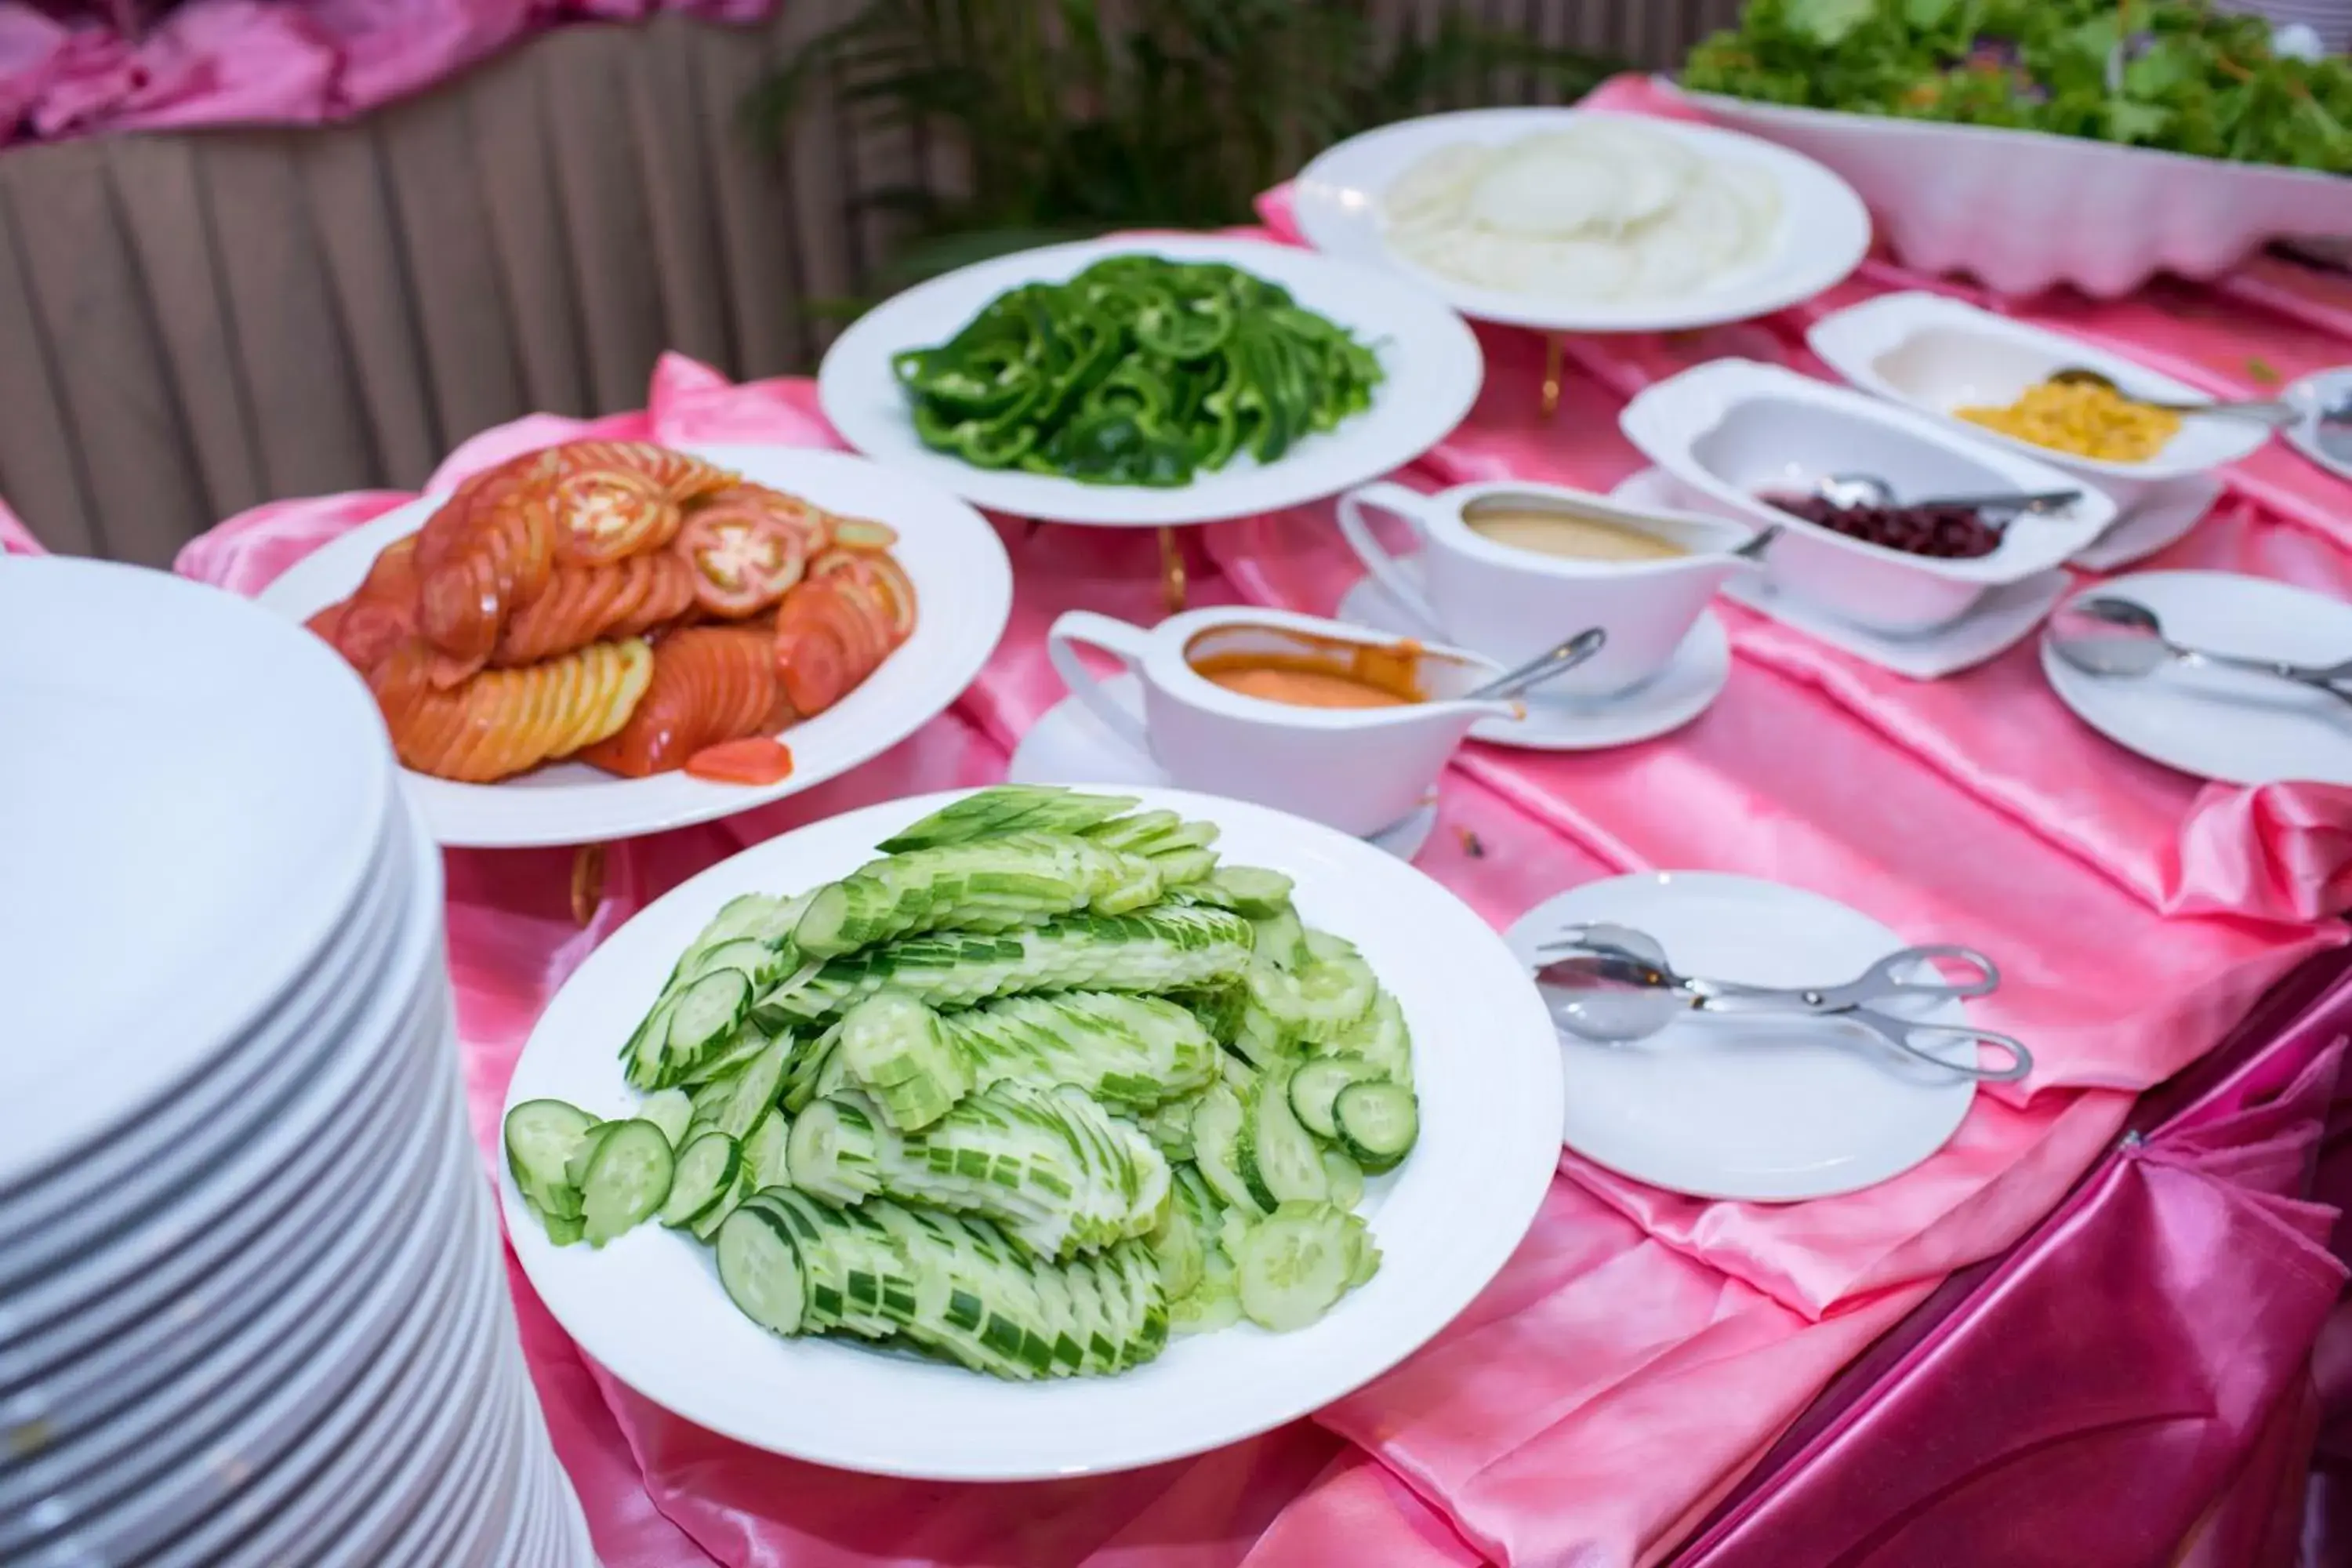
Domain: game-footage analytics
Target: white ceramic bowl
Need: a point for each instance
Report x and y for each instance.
(1733, 429)
(2025, 211)
(1938, 354)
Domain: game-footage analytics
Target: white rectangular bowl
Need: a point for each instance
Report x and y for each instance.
(1937, 354)
(1731, 428)
(2023, 210)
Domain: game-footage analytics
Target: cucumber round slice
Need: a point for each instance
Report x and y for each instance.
(1253, 891)
(833, 1150)
(1216, 1142)
(702, 1020)
(1378, 1123)
(540, 1135)
(1344, 1179)
(1294, 1266)
(672, 1110)
(627, 1180)
(707, 1169)
(1315, 1085)
(761, 1269)
(1280, 1162)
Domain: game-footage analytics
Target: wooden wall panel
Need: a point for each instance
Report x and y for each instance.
(192, 323)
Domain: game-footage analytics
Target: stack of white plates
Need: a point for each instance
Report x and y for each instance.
(253, 1304)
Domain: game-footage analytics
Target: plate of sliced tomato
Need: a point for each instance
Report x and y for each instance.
(602, 639)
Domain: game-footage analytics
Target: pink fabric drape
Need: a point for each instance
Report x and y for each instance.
(246, 62)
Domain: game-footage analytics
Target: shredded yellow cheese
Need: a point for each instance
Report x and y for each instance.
(2087, 421)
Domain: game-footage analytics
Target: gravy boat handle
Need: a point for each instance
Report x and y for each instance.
(1126, 643)
(1401, 503)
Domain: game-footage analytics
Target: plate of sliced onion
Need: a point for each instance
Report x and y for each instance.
(605, 638)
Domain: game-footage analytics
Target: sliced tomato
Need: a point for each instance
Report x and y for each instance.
(813, 655)
(610, 514)
(743, 558)
(863, 533)
(757, 760)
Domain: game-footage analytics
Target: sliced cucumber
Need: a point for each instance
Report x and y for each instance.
(1343, 1178)
(1217, 1148)
(764, 1152)
(707, 1169)
(1253, 891)
(705, 1226)
(755, 1092)
(561, 1229)
(1294, 1266)
(1279, 1158)
(575, 1170)
(832, 1152)
(892, 1044)
(627, 1180)
(1378, 1123)
(1316, 1085)
(702, 1020)
(540, 1136)
(760, 1269)
(672, 1110)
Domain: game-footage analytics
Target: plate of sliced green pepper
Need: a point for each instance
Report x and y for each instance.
(1131, 382)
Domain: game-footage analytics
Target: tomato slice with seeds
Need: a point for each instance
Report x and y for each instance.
(756, 759)
(882, 578)
(744, 559)
(605, 515)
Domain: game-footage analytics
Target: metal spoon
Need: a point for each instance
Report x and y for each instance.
(1868, 490)
(2274, 412)
(2105, 633)
(1612, 984)
(1540, 668)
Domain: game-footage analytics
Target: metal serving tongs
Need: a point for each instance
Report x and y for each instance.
(1612, 984)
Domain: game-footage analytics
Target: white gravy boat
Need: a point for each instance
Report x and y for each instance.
(1359, 770)
(1511, 604)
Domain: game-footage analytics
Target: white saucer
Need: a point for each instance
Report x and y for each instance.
(1068, 745)
(1998, 621)
(1766, 1112)
(2158, 520)
(2239, 728)
(1669, 699)
(2310, 394)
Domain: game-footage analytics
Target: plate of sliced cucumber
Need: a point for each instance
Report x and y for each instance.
(1029, 1132)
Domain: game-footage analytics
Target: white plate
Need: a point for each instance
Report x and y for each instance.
(1823, 233)
(962, 581)
(1694, 677)
(1433, 363)
(649, 1308)
(1068, 745)
(2158, 520)
(1766, 1112)
(1938, 354)
(192, 785)
(2239, 728)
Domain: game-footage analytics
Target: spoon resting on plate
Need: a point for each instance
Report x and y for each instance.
(1611, 983)
(2109, 635)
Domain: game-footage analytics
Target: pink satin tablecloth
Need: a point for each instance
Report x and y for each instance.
(1642, 1350)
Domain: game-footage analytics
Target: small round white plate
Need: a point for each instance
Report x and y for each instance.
(963, 587)
(1432, 359)
(1823, 233)
(1752, 1109)
(1068, 745)
(1689, 684)
(649, 1306)
(2238, 728)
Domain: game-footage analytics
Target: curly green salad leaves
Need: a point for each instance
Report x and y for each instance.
(1139, 371)
(2169, 74)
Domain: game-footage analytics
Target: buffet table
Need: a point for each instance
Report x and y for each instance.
(1643, 1353)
